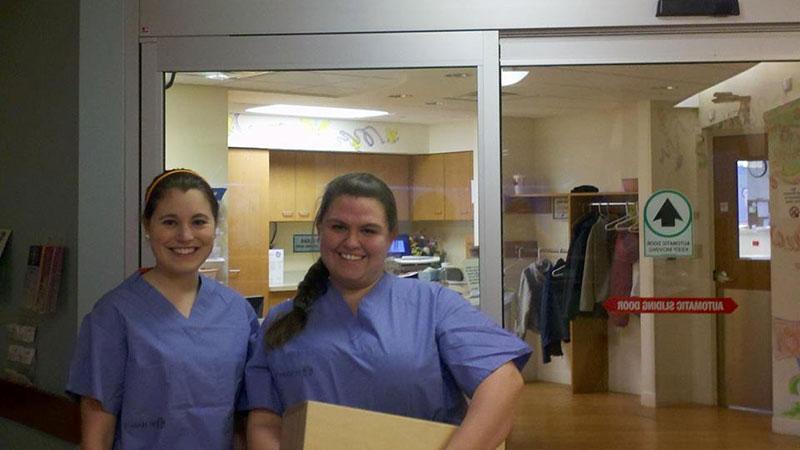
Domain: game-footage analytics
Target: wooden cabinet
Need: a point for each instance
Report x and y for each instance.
(427, 187)
(297, 181)
(392, 169)
(457, 186)
(589, 335)
(248, 227)
(440, 186)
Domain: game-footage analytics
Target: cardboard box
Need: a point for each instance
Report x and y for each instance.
(316, 426)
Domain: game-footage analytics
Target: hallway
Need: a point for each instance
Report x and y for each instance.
(550, 417)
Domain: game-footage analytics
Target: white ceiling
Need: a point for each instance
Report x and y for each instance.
(447, 95)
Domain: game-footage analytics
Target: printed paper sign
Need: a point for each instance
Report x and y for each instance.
(668, 230)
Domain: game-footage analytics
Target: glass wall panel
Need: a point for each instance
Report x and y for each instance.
(587, 151)
(271, 141)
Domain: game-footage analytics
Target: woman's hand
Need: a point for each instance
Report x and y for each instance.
(491, 411)
(97, 425)
(263, 430)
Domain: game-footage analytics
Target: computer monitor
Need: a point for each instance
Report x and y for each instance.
(400, 246)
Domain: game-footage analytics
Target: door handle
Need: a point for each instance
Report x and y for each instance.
(720, 276)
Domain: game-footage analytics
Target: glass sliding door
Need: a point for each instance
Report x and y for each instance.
(270, 120)
(597, 130)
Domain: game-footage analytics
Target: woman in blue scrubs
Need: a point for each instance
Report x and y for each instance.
(159, 361)
(357, 336)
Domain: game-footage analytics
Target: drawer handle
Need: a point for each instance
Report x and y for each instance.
(287, 213)
(234, 271)
(303, 214)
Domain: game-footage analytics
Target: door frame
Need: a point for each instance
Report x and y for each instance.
(759, 269)
(479, 49)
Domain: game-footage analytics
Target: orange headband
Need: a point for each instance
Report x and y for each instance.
(161, 177)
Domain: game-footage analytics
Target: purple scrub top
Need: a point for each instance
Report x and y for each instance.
(172, 381)
(414, 348)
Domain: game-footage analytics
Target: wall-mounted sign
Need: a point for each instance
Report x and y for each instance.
(305, 243)
(697, 8)
(670, 305)
(668, 230)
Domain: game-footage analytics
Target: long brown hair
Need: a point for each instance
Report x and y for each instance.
(315, 283)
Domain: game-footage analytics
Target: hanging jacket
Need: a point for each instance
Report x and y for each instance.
(596, 269)
(531, 283)
(553, 328)
(576, 257)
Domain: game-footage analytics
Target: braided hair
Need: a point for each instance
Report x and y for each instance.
(315, 283)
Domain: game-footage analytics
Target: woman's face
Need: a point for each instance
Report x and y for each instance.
(354, 240)
(181, 232)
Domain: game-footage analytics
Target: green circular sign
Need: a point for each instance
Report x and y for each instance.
(654, 196)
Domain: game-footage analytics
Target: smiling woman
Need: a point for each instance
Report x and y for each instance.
(356, 335)
(160, 358)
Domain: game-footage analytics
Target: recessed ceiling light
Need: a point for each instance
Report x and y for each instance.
(400, 96)
(435, 103)
(457, 75)
(325, 112)
(511, 77)
(664, 88)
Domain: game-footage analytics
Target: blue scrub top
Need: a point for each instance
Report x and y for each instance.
(414, 348)
(172, 381)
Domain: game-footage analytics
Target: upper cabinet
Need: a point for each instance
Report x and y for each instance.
(296, 183)
(457, 185)
(425, 187)
(440, 186)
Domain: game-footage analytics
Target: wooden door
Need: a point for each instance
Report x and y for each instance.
(457, 180)
(427, 187)
(248, 222)
(744, 337)
(282, 186)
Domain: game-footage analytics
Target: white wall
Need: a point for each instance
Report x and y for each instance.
(453, 137)
(295, 133)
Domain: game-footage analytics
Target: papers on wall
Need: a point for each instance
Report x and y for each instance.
(276, 267)
(43, 278)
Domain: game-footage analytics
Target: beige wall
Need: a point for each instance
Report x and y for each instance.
(556, 154)
(763, 83)
(685, 345)
(196, 123)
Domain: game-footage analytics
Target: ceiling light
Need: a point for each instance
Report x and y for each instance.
(216, 75)
(510, 77)
(664, 88)
(434, 103)
(457, 75)
(400, 96)
(316, 111)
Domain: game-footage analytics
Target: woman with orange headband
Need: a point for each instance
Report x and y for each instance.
(159, 361)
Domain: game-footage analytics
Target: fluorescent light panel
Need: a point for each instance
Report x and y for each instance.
(323, 112)
(510, 77)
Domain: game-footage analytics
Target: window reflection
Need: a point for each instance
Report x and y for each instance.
(754, 224)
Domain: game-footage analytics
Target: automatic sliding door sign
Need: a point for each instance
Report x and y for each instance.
(668, 230)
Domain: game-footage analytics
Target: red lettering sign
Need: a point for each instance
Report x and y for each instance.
(670, 305)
